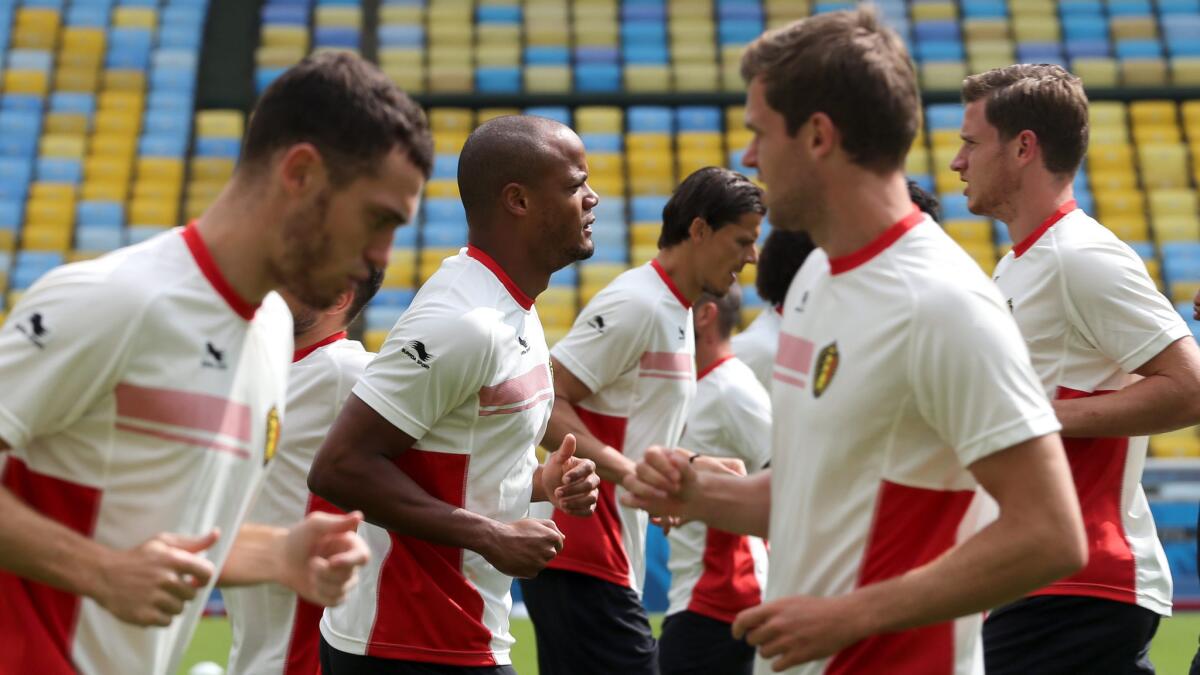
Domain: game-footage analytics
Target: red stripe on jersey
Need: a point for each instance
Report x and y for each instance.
(713, 366)
(795, 353)
(517, 390)
(240, 453)
(208, 266)
(1098, 467)
(1059, 213)
(594, 546)
(912, 526)
(511, 286)
(201, 412)
(666, 279)
(727, 585)
(37, 622)
(426, 610)
(787, 379)
(545, 396)
(673, 361)
(845, 263)
(299, 354)
(303, 652)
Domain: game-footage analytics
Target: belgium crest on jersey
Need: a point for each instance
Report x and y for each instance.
(272, 435)
(827, 364)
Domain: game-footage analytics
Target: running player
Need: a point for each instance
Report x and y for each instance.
(900, 385)
(144, 390)
(1092, 320)
(781, 256)
(274, 630)
(715, 575)
(623, 379)
(437, 442)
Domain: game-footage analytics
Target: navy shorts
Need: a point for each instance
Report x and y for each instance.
(1050, 634)
(694, 644)
(587, 626)
(334, 662)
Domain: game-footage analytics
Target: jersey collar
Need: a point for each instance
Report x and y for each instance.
(713, 366)
(515, 291)
(889, 236)
(301, 353)
(670, 284)
(208, 266)
(1028, 242)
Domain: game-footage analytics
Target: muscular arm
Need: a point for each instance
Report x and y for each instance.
(611, 465)
(38, 548)
(1167, 398)
(354, 469)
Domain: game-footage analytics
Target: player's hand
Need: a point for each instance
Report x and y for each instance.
(151, 583)
(663, 483)
(727, 465)
(321, 557)
(1196, 306)
(797, 629)
(571, 483)
(523, 548)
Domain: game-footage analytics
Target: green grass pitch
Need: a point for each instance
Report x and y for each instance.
(1172, 650)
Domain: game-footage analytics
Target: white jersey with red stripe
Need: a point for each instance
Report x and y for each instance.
(633, 347)
(756, 346)
(466, 372)
(275, 631)
(1092, 316)
(142, 396)
(898, 367)
(714, 573)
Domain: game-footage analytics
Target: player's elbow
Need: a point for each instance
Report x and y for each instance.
(324, 479)
(1063, 546)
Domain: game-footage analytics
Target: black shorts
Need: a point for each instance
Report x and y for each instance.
(587, 626)
(694, 644)
(1050, 634)
(334, 662)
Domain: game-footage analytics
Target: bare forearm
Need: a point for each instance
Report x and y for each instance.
(256, 556)
(1012, 557)
(389, 498)
(539, 492)
(1150, 406)
(38, 548)
(611, 465)
(737, 504)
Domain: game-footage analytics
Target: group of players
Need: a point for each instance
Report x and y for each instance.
(935, 444)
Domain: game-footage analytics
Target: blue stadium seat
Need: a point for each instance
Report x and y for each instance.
(87, 17)
(1080, 7)
(405, 237)
(610, 209)
(444, 210)
(401, 35)
(1000, 233)
(443, 235)
(561, 114)
(163, 145)
(100, 214)
(217, 147)
(445, 166)
(30, 59)
(382, 317)
(924, 181)
(644, 32)
(498, 79)
(136, 234)
(1144, 249)
(1039, 52)
(698, 118)
(610, 254)
(647, 209)
(59, 170)
(1087, 48)
(648, 54)
(595, 142)
(643, 12)
(541, 55)
(738, 32)
(336, 36)
(393, 297)
(99, 237)
(739, 11)
(603, 55)
(1088, 27)
(984, 9)
(954, 206)
(941, 50)
(944, 116)
(936, 30)
(277, 14)
(181, 37)
(597, 77)
(1138, 49)
(12, 213)
(72, 102)
(655, 119)
(1130, 8)
(31, 265)
(498, 14)
(567, 276)
(1178, 7)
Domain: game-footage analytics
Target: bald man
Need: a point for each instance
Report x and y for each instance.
(436, 442)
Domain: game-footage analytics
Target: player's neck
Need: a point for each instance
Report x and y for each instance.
(232, 229)
(859, 209)
(677, 262)
(1034, 204)
(709, 350)
(321, 330)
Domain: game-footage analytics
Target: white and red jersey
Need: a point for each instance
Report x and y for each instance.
(141, 395)
(1091, 316)
(756, 346)
(275, 631)
(466, 372)
(634, 348)
(714, 573)
(899, 366)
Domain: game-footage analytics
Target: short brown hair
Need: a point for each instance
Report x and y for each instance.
(347, 108)
(1042, 98)
(850, 67)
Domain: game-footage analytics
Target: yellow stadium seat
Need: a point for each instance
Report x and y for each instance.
(1118, 179)
(644, 234)
(1143, 72)
(599, 273)
(80, 256)
(34, 38)
(648, 142)
(1177, 228)
(113, 145)
(1153, 112)
(650, 164)
(608, 186)
(1120, 202)
(51, 192)
(276, 35)
(969, 231)
(1035, 28)
(595, 35)
(1107, 113)
(117, 122)
(451, 79)
(1185, 71)
(135, 17)
(34, 82)
(169, 169)
(933, 11)
(699, 140)
(945, 138)
(605, 163)
(1184, 291)
(105, 190)
(8, 243)
(68, 124)
(917, 162)
(449, 143)
(39, 212)
(194, 208)
(278, 57)
(497, 34)
(647, 78)
(701, 52)
(401, 14)
(691, 161)
(401, 56)
(1133, 28)
(219, 124)
(338, 16)
(438, 189)
(1182, 443)
(546, 33)
(129, 101)
(985, 29)
(149, 211)
(984, 63)
(1163, 165)
(1110, 157)
(46, 237)
(696, 77)
(1157, 133)
(943, 75)
(157, 190)
(373, 339)
(124, 80)
(640, 255)
(211, 168)
(503, 54)
(1129, 227)
(548, 79)
(1097, 71)
(1180, 202)
(14, 297)
(1191, 115)
(401, 268)
(69, 146)
(83, 40)
(599, 119)
(485, 114)
(203, 192)
(408, 78)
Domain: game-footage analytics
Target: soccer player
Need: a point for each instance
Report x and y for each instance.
(274, 630)
(623, 379)
(900, 385)
(714, 574)
(1110, 350)
(781, 256)
(436, 444)
(143, 391)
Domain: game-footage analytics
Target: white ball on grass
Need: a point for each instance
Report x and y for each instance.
(206, 668)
